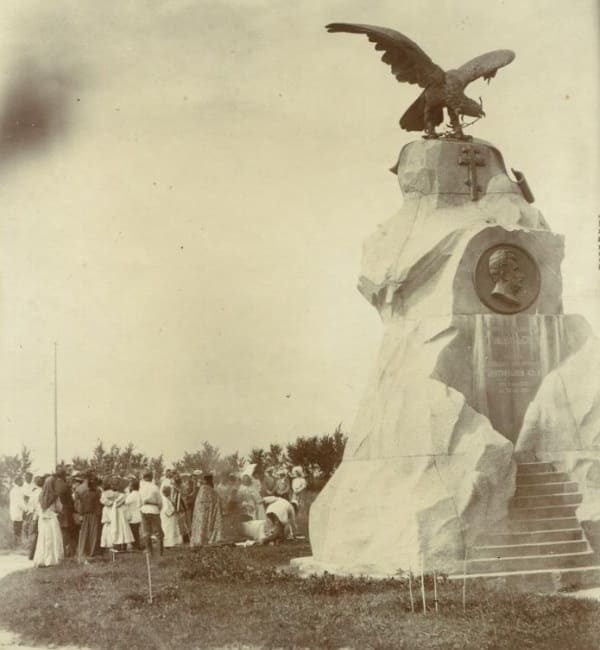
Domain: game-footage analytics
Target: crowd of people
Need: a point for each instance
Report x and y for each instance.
(82, 515)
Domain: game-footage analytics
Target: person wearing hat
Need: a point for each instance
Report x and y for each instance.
(76, 481)
(87, 500)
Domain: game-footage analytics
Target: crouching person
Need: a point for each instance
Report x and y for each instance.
(150, 510)
(281, 515)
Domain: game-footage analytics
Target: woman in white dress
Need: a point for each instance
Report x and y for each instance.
(169, 520)
(119, 526)
(299, 495)
(107, 500)
(250, 499)
(49, 549)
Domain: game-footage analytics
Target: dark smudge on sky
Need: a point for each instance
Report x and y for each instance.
(34, 108)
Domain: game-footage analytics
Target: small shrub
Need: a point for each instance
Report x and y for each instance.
(5, 529)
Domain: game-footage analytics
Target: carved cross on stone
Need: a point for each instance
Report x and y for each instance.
(472, 157)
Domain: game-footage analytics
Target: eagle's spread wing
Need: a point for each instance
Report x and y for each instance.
(485, 65)
(407, 59)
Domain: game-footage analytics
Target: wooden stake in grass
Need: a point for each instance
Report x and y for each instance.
(410, 591)
(423, 587)
(435, 600)
(149, 577)
(464, 590)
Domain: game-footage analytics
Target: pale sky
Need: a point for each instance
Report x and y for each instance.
(191, 237)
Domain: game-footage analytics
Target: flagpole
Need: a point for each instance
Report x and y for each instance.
(55, 405)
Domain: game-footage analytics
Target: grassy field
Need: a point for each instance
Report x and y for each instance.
(234, 596)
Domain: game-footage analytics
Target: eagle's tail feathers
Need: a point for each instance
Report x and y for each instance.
(414, 118)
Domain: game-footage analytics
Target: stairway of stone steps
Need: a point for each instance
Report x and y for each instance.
(542, 533)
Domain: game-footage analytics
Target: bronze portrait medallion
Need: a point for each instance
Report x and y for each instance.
(507, 279)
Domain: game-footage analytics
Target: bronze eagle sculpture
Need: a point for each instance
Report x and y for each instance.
(441, 89)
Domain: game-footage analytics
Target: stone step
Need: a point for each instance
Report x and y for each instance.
(528, 548)
(531, 537)
(542, 512)
(536, 501)
(535, 468)
(542, 477)
(527, 563)
(535, 489)
(554, 523)
(592, 572)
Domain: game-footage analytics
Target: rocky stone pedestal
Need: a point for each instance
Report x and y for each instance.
(466, 278)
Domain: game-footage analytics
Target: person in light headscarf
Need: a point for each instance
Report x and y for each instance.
(249, 496)
(281, 516)
(169, 520)
(119, 525)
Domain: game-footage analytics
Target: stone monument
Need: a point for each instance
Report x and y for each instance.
(478, 362)
(477, 443)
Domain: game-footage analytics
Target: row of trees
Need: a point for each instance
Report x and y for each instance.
(318, 456)
(117, 461)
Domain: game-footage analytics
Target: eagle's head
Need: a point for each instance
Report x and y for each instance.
(471, 108)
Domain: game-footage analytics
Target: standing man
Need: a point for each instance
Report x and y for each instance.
(150, 509)
(16, 506)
